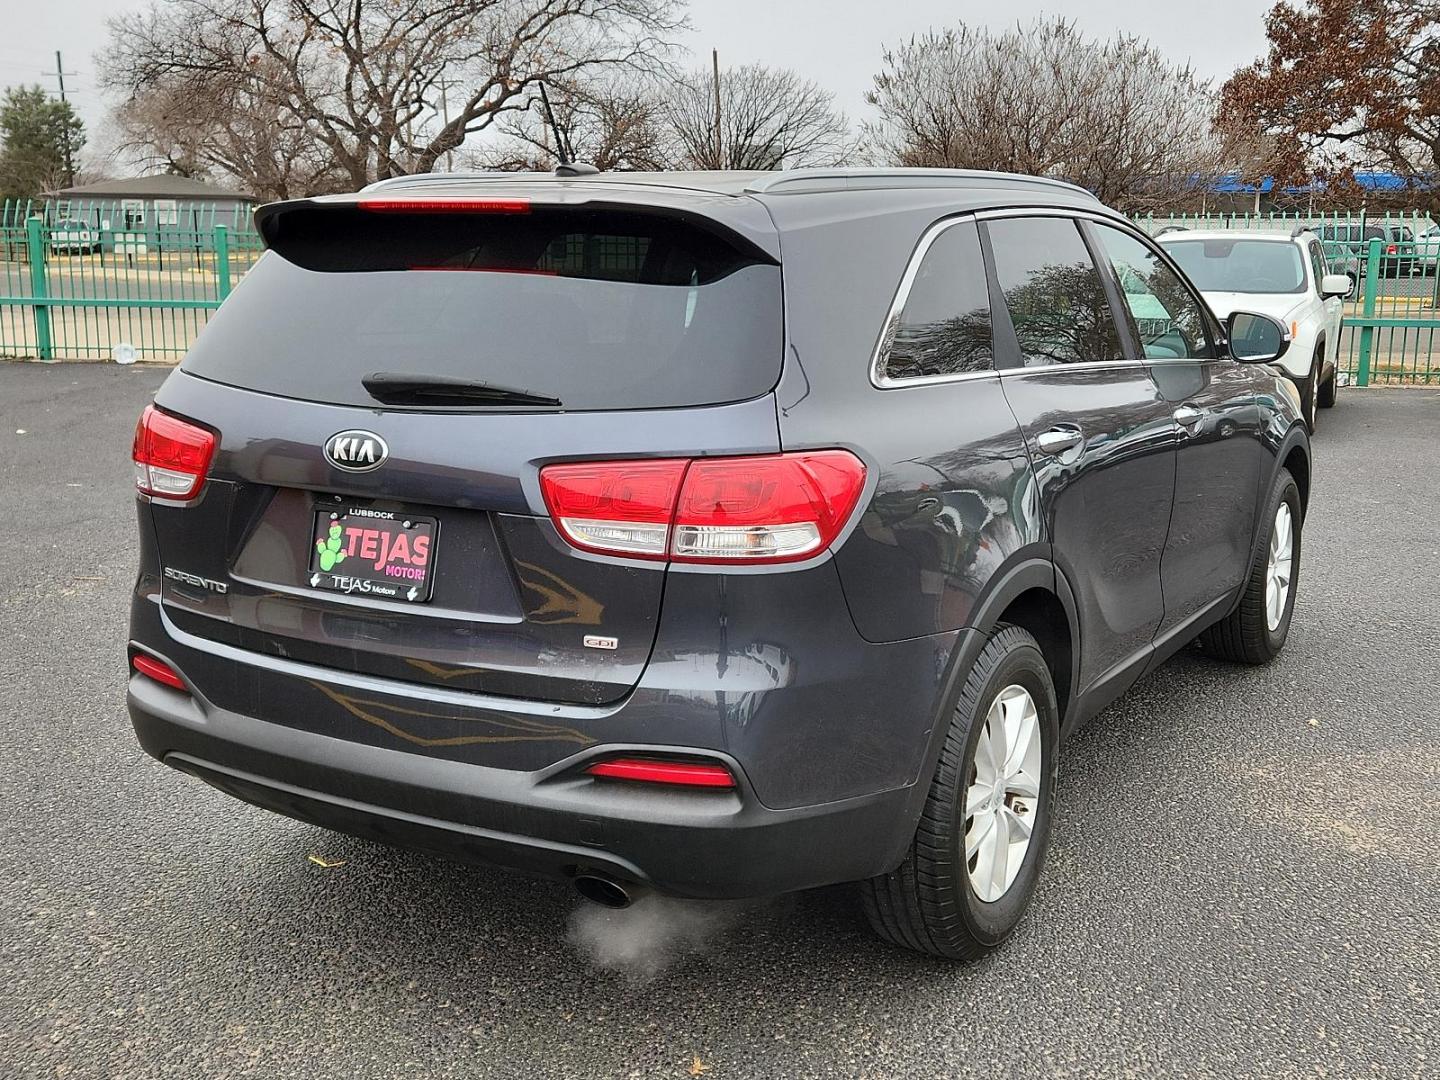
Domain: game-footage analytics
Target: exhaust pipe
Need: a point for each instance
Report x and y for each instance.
(605, 891)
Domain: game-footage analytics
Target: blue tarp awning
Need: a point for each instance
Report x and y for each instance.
(1234, 184)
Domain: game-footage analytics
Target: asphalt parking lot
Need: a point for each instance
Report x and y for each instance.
(1244, 879)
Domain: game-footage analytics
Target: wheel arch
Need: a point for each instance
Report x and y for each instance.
(1294, 456)
(1035, 596)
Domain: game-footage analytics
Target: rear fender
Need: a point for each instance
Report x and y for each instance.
(1034, 571)
(1296, 440)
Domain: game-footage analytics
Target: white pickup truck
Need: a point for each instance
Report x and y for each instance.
(71, 237)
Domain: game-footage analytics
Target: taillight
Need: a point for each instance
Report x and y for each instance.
(171, 455)
(158, 670)
(658, 771)
(1391, 250)
(616, 507)
(763, 509)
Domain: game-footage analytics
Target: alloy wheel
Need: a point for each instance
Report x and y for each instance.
(1003, 798)
(1279, 567)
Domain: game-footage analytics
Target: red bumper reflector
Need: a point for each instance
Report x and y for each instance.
(682, 773)
(454, 205)
(158, 670)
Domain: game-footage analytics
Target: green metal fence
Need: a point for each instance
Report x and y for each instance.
(69, 291)
(1389, 333)
(1416, 221)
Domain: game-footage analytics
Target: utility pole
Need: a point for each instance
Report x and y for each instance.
(719, 144)
(445, 85)
(59, 73)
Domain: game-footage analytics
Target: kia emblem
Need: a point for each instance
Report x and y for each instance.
(356, 451)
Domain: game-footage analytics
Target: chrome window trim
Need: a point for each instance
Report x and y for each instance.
(881, 353)
(912, 269)
(1106, 365)
(1055, 211)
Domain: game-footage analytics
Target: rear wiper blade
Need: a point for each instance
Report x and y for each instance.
(398, 388)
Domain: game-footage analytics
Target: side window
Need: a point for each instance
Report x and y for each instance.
(1171, 324)
(1317, 262)
(1053, 292)
(944, 327)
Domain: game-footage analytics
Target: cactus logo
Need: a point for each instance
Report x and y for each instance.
(356, 451)
(329, 547)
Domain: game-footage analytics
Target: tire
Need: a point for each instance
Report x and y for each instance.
(1325, 397)
(1250, 634)
(930, 903)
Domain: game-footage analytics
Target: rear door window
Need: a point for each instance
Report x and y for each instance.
(944, 327)
(595, 309)
(1053, 293)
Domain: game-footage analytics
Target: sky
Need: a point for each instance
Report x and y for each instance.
(837, 43)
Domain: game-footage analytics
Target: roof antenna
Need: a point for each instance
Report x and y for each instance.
(563, 150)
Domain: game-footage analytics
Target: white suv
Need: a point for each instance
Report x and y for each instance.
(1283, 276)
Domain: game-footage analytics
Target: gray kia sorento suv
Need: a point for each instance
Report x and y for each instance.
(722, 534)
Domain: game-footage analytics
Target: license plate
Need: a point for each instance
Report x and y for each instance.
(376, 553)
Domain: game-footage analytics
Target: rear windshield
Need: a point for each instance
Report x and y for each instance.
(596, 309)
(1240, 266)
(1349, 232)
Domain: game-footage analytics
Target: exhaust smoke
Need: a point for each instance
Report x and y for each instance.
(642, 940)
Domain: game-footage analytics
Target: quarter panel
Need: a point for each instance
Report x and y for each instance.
(812, 712)
(953, 498)
(954, 501)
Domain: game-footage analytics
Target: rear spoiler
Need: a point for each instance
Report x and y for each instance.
(741, 224)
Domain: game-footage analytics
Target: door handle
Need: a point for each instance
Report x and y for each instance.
(1187, 416)
(1058, 440)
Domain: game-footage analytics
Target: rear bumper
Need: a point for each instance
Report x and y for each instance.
(555, 823)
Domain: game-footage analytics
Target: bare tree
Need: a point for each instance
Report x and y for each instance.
(769, 118)
(215, 128)
(358, 82)
(1114, 116)
(614, 122)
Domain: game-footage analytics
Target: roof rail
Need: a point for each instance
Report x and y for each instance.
(1172, 228)
(820, 179)
(1301, 229)
(420, 179)
(780, 181)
